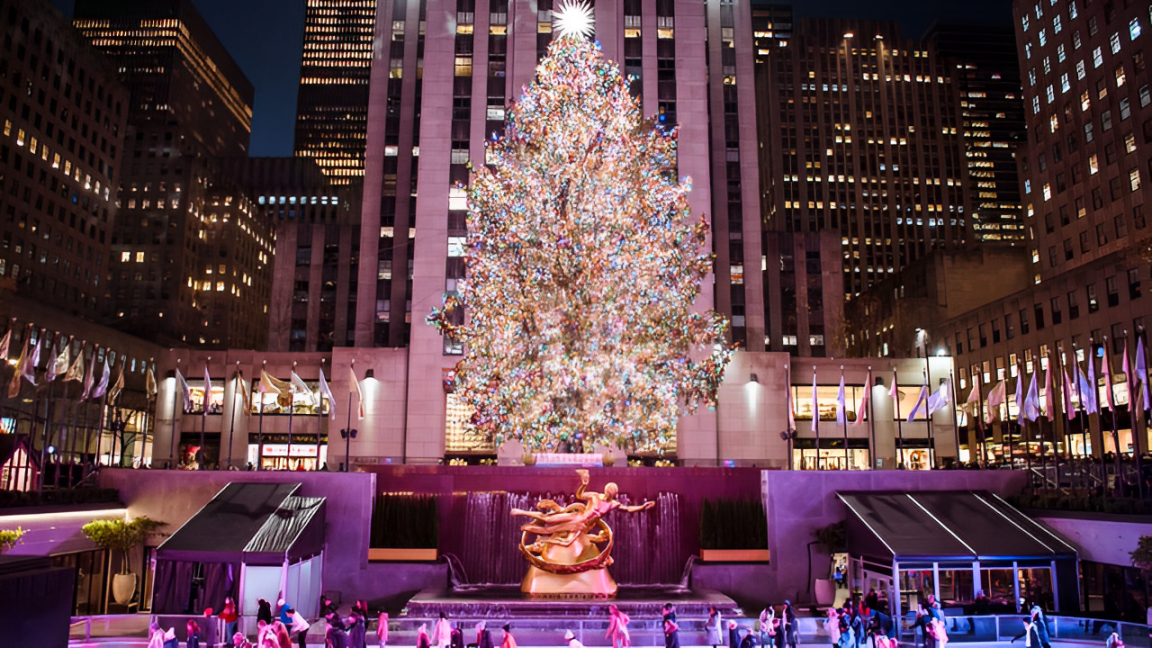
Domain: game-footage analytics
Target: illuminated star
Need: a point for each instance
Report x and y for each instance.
(574, 18)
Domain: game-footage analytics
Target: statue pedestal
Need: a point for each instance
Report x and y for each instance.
(594, 583)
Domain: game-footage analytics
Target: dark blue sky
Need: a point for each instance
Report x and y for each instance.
(264, 36)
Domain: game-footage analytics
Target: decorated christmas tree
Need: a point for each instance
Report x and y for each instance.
(583, 263)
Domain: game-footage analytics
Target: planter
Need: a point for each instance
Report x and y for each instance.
(825, 592)
(402, 555)
(734, 555)
(123, 588)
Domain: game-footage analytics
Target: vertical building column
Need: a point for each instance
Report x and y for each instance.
(280, 306)
(649, 71)
(373, 176)
(696, 442)
(426, 359)
(609, 15)
(315, 286)
(749, 180)
(522, 20)
(343, 277)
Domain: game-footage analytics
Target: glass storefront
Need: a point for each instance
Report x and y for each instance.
(831, 455)
(302, 456)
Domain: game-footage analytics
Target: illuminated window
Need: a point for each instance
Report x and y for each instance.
(1134, 180)
(1093, 165)
(1120, 77)
(457, 199)
(1134, 28)
(125, 257)
(139, 257)
(456, 246)
(463, 66)
(1097, 57)
(1114, 41)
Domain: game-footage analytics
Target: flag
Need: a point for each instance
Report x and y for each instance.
(118, 385)
(354, 385)
(815, 404)
(972, 404)
(894, 391)
(270, 384)
(1032, 400)
(150, 383)
(76, 369)
(942, 398)
(1130, 384)
(29, 369)
(50, 368)
(862, 409)
(1142, 373)
(59, 366)
(207, 390)
(1019, 396)
(102, 387)
(245, 393)
(1049, 402)
(922, 399)
(840, 403)
(301, 386)
(1088, 392)
(14, 385)
(185, 390)
(6, 342)
(327, 393)
(996, 398)
(90, 374)
(1071, 394)
(1110, 399)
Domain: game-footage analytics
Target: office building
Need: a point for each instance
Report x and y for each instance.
(317, 241)
(982, 59)
(63, 113)
(332, 104)
(191, 258)
(1084, 172)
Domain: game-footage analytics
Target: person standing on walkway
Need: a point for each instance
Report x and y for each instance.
(442, 633)
(509, 641)
(767, 618)
(790, 627)
(382, 628)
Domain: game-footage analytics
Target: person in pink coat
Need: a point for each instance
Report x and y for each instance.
(618, 628)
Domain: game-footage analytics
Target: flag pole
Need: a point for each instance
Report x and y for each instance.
(927, 414)
(1136, 445)
(844, 424)
(204, 416)
(175, 436)
(150, 401)
(232, 413)
(291, 414)
(1112, 415)
(320, 416)
(260, 424)
(899, 420)
(815, 417)
(871, 423)
(348, 429)
(48, 417)
(1095, 387)
(955, 419)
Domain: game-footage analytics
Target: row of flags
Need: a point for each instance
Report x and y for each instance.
(1081, 388)
(269, 384)
(72, 368)
(932, 401)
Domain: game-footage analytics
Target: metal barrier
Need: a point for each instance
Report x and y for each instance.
(135, 626)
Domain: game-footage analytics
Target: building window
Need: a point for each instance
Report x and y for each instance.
(1090, 293)
(1134, 180)
(1134, 28)
(1073, 306)
(1112, 289)
(1133, 283)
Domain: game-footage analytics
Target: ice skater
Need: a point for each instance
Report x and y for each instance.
(713, 627)
(671, 628)
(618, 628)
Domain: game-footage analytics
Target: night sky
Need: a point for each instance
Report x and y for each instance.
(264, 36)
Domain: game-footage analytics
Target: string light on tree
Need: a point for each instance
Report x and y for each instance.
(584, 262)
(574, 18)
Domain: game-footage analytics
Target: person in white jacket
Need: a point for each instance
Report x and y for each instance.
(299, 627)
(442, 634)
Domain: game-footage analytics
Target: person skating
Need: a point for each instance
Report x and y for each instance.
(712, 627)
(382, 629)
(229, 617)
(193, 640)
(442, 633)
(509, 641)
(264, 611)
(767, 618)
(299, 627)
(790, 626)
(846, 638)
(832, 625)
(618, 628)
(671, 628)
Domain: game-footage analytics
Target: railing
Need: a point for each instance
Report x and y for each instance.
(1004, 628)
(135, 626)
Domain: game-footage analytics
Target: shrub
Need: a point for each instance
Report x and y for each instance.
(120, 536)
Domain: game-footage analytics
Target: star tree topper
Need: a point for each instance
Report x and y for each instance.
(575, 19)
(583, 265)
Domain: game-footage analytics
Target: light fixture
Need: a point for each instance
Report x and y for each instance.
(848, 34)
(755, 378)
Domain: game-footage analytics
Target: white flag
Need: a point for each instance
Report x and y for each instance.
(862, 408)
(941, 399)
(841, 406)
(815, 405)
(328, 394)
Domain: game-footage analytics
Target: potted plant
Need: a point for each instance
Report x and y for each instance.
(9, 538)
(833, 538)
(1142, 556)
(121, 536)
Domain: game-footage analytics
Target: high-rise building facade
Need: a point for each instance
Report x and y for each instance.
(1084, 171)
(335, 70)
(317, 235)
(175, 67)
(861, 135)
(192, 259)
(63, 114)
(982, 59)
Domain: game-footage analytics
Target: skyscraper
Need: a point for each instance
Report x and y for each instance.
(191, 259)
(332, 105)
(64, 116)
(982, 59)
(176, 69)
(861, 135)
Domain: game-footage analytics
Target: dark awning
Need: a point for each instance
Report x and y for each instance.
(221, 530)
(295, 530)
(946, 525)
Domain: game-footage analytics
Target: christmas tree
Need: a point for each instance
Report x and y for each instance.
(583, 264)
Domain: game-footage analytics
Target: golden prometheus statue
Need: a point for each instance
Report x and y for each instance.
(571, 547)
